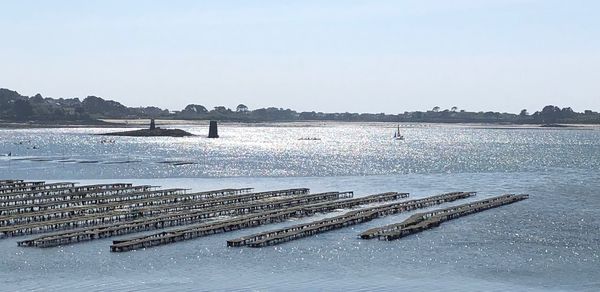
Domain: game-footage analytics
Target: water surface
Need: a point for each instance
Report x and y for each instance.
(548, 242)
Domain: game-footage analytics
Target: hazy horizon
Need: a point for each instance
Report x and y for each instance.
(338, 56)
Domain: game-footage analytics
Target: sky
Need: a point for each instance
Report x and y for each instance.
(331, 56)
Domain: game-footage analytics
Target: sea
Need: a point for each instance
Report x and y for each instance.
(549, 242)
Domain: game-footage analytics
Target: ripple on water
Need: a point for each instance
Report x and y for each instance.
(547, 242)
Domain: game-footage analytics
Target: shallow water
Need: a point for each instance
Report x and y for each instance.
(548, 242)
(344, 149)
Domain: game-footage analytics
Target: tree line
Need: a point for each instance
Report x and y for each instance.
(17, 108)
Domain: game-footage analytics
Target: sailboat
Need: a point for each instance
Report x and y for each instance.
(397, 135)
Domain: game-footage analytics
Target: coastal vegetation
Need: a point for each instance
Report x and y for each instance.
(15, 107)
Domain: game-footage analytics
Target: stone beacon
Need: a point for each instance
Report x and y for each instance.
(212, 130)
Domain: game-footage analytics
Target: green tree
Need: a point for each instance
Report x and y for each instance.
(523, 113)
(241, 108)
(22, 109)
(567, 112)
(221, 109)
(550, 114)
(195, 108)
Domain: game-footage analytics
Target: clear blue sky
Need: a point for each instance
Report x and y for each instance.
(356, 56)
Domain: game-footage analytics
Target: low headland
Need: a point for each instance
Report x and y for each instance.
(17, 110)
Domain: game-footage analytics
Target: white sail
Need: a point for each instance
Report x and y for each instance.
(397, 135)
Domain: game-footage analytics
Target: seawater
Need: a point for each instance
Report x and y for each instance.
(548, 242)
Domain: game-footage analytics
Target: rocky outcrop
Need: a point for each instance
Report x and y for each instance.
(157, 132)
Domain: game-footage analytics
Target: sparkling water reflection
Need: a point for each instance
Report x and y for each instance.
(343, 149)
(549, 242)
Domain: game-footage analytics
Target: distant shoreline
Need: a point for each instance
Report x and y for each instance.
(142, 123)
(17, 110)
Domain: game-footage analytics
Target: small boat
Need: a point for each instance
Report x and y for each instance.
(309, 139)
(397, 135)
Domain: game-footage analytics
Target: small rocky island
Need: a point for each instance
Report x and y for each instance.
(153, 131)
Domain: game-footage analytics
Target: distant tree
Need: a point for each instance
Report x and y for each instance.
(104, 108)
(241, 108)
(79, 110)
(221, 110)
(567, 112)
(445, 113)
(453, 109)
(22, 109)
(308, 115)
(550, 114)
(37, 98)
(58, 114)
(273, 113)
(195, 109)
(7, 95)
(491, 115)
(523, 113)
(436, 109)
(149, 111)
(418, 115)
